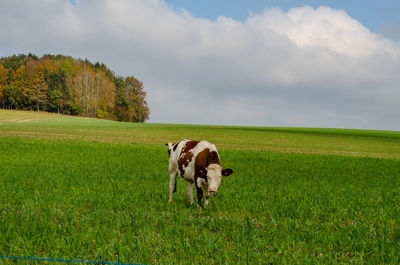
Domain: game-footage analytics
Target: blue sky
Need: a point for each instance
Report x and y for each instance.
(379, 16)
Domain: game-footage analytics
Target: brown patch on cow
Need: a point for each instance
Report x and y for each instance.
(175, 146)
(205, 158)
(186, 156)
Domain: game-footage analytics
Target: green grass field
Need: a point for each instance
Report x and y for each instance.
(77, 188)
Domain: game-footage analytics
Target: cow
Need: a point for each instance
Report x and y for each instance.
(196, 162)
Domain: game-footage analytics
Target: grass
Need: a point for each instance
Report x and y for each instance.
(76, 188)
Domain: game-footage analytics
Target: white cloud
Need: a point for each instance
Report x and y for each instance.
(324, 28)
(305, 67)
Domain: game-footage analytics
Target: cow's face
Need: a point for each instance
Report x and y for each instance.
(214, 174)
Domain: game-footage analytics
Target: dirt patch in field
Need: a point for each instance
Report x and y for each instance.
(26, 120)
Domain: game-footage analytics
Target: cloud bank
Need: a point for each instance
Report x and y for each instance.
(305, 67)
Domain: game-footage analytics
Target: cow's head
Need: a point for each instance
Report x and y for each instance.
(214, 174)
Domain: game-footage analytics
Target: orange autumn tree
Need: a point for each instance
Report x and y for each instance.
(35, 89)
(3, 83)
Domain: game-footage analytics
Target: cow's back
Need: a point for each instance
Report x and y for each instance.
(207, 157)
(175, 152)
(193, 154)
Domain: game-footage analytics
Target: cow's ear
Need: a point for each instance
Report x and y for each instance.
(203, 171)
(166, 144)
(227, 172)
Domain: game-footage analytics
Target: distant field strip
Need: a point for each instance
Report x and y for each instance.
(363, 143)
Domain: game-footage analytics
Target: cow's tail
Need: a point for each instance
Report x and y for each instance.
(169, 144)
(169, 147)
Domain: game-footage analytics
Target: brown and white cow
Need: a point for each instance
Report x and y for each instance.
(197, 162)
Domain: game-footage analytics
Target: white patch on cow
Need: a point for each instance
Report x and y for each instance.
(173, 165)
(206, 197)
(174, 155)
(201, 182)
(214, 176)
(189, 191)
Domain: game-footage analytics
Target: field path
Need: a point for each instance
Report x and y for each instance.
(27, 120)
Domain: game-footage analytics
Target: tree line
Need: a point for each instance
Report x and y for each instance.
(62, 84)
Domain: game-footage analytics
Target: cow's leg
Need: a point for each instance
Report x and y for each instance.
(199, 195)
(189, 191)
(206, 196)
(172, 184)
(199, 190)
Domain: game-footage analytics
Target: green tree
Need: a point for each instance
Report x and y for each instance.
(121, 101)
(57, 92)
(15, 91)
(13, 62)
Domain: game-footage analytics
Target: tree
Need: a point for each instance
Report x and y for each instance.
(85, 82)
(3, 83)
(27, 82)
(15, 91)
(57, 93)
(121, 101)
(13, 62)
(105, 98)
(39, 85)
(58, 83)
(135, 94)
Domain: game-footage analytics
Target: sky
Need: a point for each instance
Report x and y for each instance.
(378, 16)
(328, 63)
